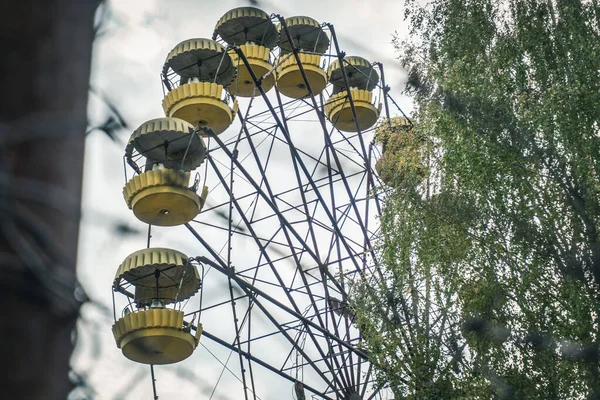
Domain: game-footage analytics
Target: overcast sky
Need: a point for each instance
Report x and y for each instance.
(127, 62)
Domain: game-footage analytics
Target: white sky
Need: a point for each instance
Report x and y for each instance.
(127, 62)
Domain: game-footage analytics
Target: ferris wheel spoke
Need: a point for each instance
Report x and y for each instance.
(253, 292)
(249, 226)
(271, 195)
(334, 155)
(296, 308)
(281, 140)
(268, 199)
(266, 365)
(310, 231)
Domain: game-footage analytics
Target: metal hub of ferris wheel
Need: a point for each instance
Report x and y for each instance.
(265, 156)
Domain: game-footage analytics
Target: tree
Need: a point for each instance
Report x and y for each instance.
(44, 83)
(508, 95)
(409, 313)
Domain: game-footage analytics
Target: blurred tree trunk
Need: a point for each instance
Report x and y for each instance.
(46, 52)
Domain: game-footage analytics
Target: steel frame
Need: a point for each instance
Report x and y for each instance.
(339, 206)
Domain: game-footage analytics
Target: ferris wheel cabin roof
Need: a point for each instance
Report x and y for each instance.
(159, 273)
(168, 141)
(360, 72)
(307, 34)
(204, 59)
(247, 25)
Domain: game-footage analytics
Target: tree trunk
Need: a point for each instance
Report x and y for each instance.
(44, 74)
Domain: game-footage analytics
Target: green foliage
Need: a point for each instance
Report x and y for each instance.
(494, 213)
(409, 317)
(402, 162)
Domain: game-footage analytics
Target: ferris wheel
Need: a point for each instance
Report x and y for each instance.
(265, 156)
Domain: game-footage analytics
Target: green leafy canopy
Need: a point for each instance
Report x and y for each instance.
(489, 247)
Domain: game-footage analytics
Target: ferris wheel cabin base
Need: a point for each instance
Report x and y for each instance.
(166, 205)
(257, 57)
(155, 336)
(290, 81)
(161, 197)
(200, 104)
(339, 111)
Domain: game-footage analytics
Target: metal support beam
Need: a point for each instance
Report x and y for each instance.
(245, 285)
(260, 362)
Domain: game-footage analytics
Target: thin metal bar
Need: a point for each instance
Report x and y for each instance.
(125, 168)
(153, 381)
(399, 109)
(377, 202)
(114, 306)
(386, 89)
(266, 335)
(214, 305)
(229, 248)
(368, 375)
(187, 148)
(249, 313)
(237, 339)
